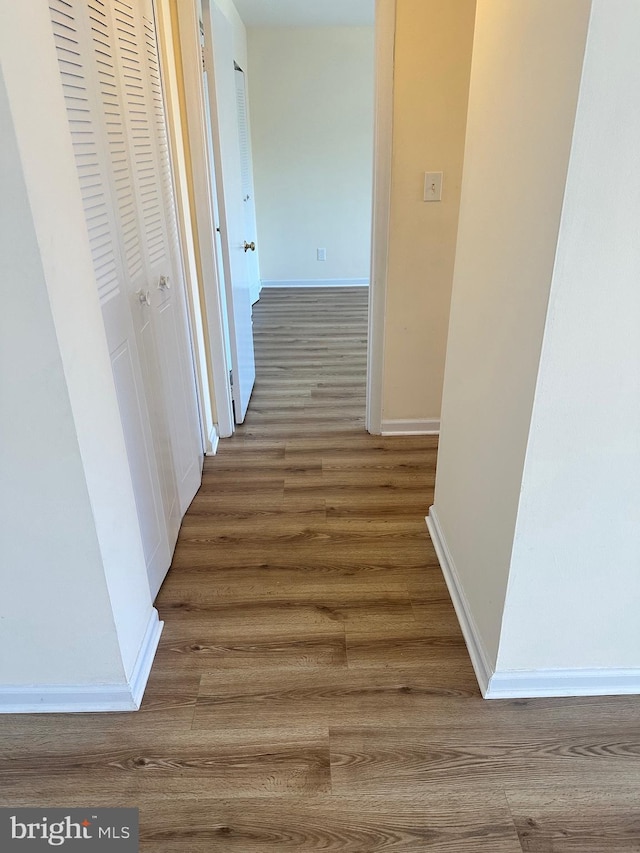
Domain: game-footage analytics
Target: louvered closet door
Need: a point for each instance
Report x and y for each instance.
(163, 322)
(81, 33)
(109, 65)
(132, 96)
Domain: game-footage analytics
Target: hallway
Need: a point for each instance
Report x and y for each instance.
(312, 690)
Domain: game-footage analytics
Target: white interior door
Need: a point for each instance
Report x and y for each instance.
(224, 124)
(213, 186)
(246, 173)
(164, 266)
(110, 215)
(108, 61)
(142, 234)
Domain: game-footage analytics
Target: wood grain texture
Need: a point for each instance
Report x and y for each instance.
(312, 690)
(587, 817)
(444, 822)
(389, 761)
(261, 763)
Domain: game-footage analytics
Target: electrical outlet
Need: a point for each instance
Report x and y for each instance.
(322, 254)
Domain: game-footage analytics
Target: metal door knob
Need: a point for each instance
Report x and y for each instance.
(164, 283)
(250, 245)
(144, 296)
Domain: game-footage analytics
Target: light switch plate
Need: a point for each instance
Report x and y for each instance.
(433, 186)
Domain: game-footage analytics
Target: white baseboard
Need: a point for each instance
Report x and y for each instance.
(411, 427)
(146, 655)
(317, 282)
(531, 684)
(475, 646)
(523, 684)
(87, 698)
(214, 440)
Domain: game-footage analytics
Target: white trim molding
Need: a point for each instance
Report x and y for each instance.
(522, 684)
(475, 646)
(69, 698)
(209, 297)
(430, 426)
(531, 684)
(385, 34)
(316, 282)
(144, 661)
(182, 179)
(213, 441)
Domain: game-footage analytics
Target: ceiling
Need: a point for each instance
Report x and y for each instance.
(306, 13)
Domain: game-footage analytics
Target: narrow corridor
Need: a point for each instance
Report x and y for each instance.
(312, 690)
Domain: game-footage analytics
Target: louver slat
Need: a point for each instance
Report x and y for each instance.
(73, 63)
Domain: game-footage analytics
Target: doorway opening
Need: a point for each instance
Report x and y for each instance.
(314, 154)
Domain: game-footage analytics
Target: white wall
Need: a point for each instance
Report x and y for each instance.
(228, 9)
(527, 62)
(311, 105)
(76, 605)
(574, 589)
(42, 479)
(433, 42)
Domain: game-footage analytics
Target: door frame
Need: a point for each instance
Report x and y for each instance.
(385, 33)
(219, 63)
(206, 298)
(182, 20)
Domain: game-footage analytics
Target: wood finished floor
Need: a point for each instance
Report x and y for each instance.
(312, 691)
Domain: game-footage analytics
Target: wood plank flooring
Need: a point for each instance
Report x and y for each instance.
(312, 691)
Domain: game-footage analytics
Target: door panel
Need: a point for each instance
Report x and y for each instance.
(142, 464)
(108, 61)
(79, 30)
(146, 230)
(224, 124)
(246, 172)
(167, 346)
(150, 360)
(179, 381)
(180, 384)
(168, 343)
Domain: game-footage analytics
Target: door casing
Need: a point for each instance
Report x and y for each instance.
(211, 302)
